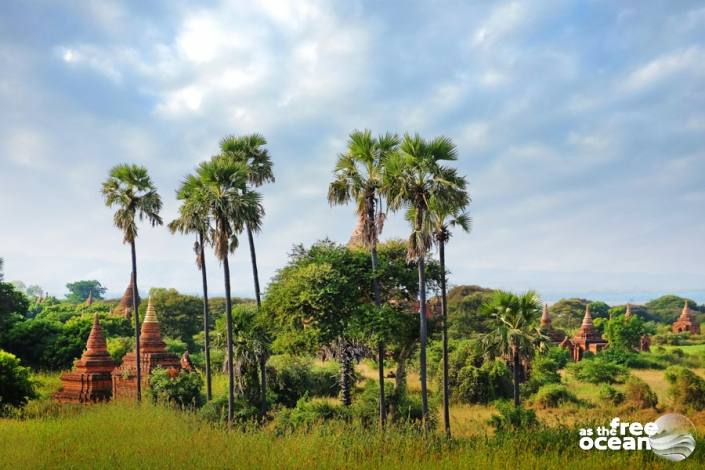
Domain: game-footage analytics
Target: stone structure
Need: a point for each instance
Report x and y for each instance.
(628, 313)
(153, 354)
(124, 307)
(546, 326)
(586, 339)
(90, 379)
(356, 237)
(89, 300)
(686, 322)
(645, 343)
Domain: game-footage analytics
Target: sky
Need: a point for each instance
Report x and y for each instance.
(580, 127)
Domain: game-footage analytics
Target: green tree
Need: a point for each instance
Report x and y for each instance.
(194, 218)
(231, 207)
(465, 315)
(416, 179)
(80, 290)
(625, 333)
(16, 386)
(568, 313)
(13, 306)
(515, 335)
(442, 219)
(359, 178)
(130, 189)
(667, 308)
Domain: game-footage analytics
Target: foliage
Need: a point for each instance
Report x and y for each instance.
(465, 315)
(639, 394)
(598, 370)
(553, 395)
(13, 305)
(625, 333)
(611, 395)
(513, 418)
(118, 347)
(686, 388)
(544, 371)
(490, 381)
(667, 308)
(292, 377)
(559, 355)
(182, 389)
(568, 313)
(16, 385)
(631, 359)
(79, 290)
(401, 407)
(180, 316)
(307, 413)
(216, 411)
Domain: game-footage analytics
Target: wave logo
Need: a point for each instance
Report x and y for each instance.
(674, 439)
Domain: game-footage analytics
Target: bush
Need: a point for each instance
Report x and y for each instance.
(216, 411)
(483, 384)
(401, 407)
(559, 355)
(16, 385)
(544, 370)
(630, 359)
(512, 419)
(686, 387)
(639, 394)
(307, 414)
(598, 370)
(118, 347)
(554, 395)
(175, 345)
(610, 394)
(290, 378)
(181, 388)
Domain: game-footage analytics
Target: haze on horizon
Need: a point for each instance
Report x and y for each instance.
(580, 126)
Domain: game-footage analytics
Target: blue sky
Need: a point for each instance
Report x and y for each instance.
(580, 126)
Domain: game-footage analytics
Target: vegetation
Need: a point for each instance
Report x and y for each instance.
(80, 290)
(16, 386)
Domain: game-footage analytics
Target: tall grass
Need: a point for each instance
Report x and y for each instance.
(124, 435)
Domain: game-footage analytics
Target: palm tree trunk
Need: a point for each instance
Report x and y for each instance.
(255, 273)
(206, 345)
(444, 307)
(229, 341)
(135, 309)
(423, 333)
(517, 363)
(346, 375)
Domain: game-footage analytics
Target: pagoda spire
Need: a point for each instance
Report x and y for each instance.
(89, 300)
(150, 336)
(587, 319)
(628, 313)
(545, 318)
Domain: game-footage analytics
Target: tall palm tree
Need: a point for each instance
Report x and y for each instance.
(130, 188)
(359, 177)
(416, 179)
(441, 219)
(515, 334)
(231, 207)
(251, 151)
(194, 218)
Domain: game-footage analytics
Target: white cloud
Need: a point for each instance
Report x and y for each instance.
(659, 69)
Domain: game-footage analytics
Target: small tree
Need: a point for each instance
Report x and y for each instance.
(16, 386)
(80, 290)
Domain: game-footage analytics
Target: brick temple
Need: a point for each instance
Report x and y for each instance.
(90, 380)
(586, 339)
(546, 327)
(686, 322)
(153, 354)
(124, 307)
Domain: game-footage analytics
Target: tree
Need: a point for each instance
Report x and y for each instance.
(465, 315)
(251, 151)
(178, 314)
(416, 179)
(515, 335)
(359, 177)
(231, 207)
(131, 190)
(80, 290)
(667, 308)
(568, 313)
(194, 218)
(16, 386)
(442, 218)
(625, 333)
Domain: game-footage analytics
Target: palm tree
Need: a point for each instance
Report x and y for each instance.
(359, 176)
(515, 334)
(415, 179)
(231, 207)
(130, 188)
(194, 218)
(250, 150)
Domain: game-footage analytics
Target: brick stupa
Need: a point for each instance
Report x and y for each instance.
(556, 336)
(90, 380)
(586, 339)
(153, 354)
(686, 323)
(124, 307)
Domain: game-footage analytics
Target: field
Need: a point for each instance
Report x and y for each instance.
(124, 435)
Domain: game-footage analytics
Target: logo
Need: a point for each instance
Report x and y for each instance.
(670, 437)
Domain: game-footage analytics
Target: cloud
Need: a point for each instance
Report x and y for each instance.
(691, 60)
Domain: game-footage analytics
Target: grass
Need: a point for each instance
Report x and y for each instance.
(123, 435)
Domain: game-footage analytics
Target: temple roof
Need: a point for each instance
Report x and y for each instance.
(96, 356)
(150, 336)
(124, 307)
(89, 300)
(588, 332)
(545, 317)
(628, 313)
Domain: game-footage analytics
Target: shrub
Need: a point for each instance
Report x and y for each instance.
(118, 347)
(630, 359)
(216, 411)
(182, 389)
(610, 394)
(513, 419)
(175, 345)
(16, 385)
(639, 394)
(308, 413)
(598, 370)
(483, 384)
(554, 395)
(559, 355)
(401, 407)
(544, 370)
(290, 378)
(686, 388)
